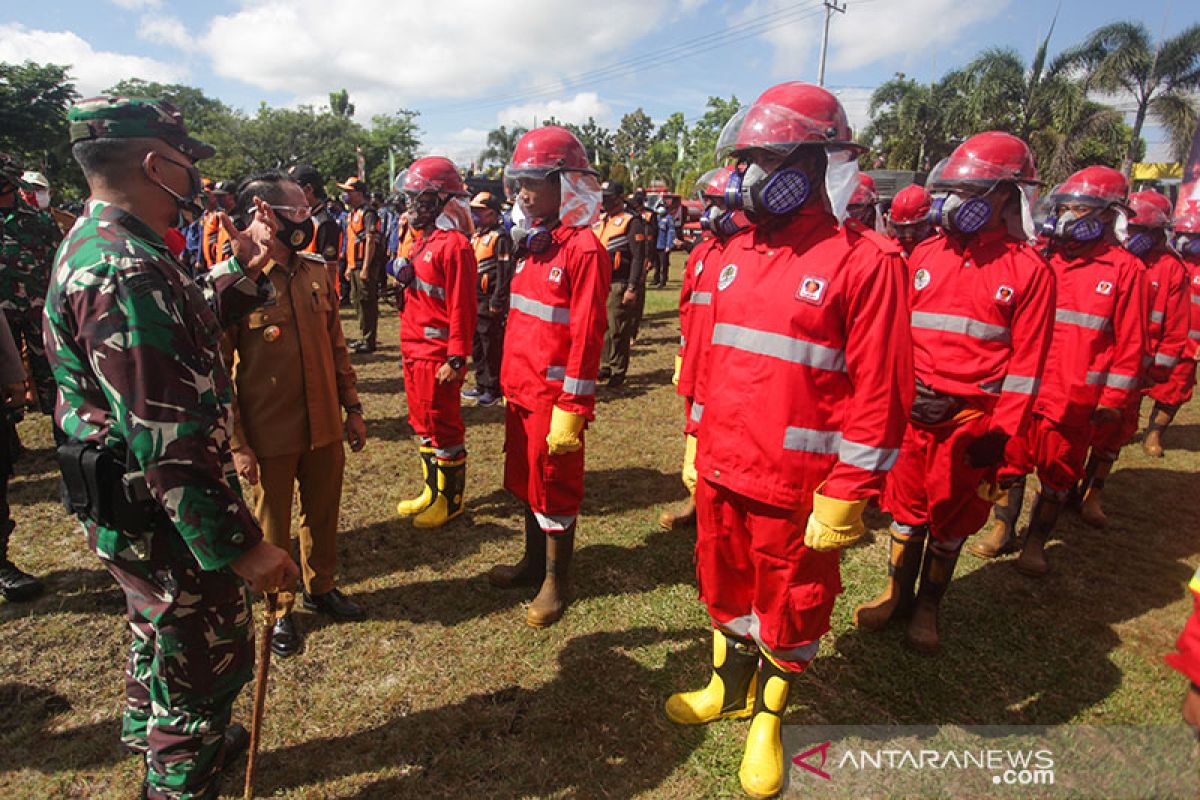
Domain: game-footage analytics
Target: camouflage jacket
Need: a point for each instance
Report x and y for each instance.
(135, 348)
(27, 241)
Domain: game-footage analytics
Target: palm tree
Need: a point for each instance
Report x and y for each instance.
(908, 123)
(1121, 58)
(501, 142)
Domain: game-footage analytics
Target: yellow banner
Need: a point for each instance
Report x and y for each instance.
(1157, 171)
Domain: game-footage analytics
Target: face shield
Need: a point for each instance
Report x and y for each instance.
(966, 197)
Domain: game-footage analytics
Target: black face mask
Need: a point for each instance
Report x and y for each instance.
(294, 235)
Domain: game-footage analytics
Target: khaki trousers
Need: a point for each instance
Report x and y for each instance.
(319, 474)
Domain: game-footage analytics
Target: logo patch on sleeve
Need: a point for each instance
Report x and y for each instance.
(726, 277)
(699, 267)
(812, 289)
(1005, 295)
(556, 274)
(1104, 287)
(921, 279)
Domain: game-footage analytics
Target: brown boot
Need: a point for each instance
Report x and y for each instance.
(531, 569)
(547, 608)
(1032, 561)
(1089, 508)
(1002, 538)
(938, 569)
(682, 515)
(1160, 417)
(904, 564)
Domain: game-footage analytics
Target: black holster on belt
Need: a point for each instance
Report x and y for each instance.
(931, 407)
(107, 489)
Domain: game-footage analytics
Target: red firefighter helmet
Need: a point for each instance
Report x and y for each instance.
(1150, 209)
(785, 117)
(713, 182)
(1097, 186)
(983, 161)
(910, 206)
(431, 174)
(865, 193)
(544, 150)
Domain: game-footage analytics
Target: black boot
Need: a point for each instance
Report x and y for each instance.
(286, 639)
(15, 585)
(1032, 561)
(531, 569)
(922, 634)
(555, 595)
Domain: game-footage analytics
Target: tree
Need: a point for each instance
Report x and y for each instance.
(632, 139)
(33, 121)
(395, 133)
(501, 142)
(1121, 58)
(340, 105)
(908, 128)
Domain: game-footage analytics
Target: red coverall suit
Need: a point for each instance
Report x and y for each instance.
(1166, 288)
(807, 385)
(438, 322)
(556, 325)
(1186, 657)
(1095, 359)
(1177, 388)
(981, 322)
(695, 316)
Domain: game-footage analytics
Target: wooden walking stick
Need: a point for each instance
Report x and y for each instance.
(260, 689)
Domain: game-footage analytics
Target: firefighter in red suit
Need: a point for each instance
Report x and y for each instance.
(811, 343)
(864, 202)
(556, 323)
(1166, 290)
(982, 302)
(1186, 657)
(695, 320)
(1176, 390)
(908, 218)
(1094, 367)
(437, 323)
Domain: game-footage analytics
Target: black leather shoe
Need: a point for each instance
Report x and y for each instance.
(237, 740)
(286, 639)
(335, 604)
(363, 347)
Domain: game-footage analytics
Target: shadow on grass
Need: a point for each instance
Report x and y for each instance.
(596, 729)
(71, 591)
(1181, 437)
(1018, 650)
(25, 742)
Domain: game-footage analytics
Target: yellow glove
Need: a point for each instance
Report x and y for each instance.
(678, 367)
(990, 492)
(689, 464)
(564, 432)
(834, 524)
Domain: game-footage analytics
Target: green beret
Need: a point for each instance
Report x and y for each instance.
(109, 117)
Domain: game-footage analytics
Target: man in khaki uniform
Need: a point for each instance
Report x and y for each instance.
(292, 377)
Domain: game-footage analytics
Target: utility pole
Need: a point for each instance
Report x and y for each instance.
(830, 7)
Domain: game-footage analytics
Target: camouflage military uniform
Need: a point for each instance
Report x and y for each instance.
(28, 238)
(134, 344)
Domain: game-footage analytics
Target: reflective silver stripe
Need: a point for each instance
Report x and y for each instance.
(437, 333)
(542, 311)
(556, 373)
(617, 243)
(1021, 384)
(1083, 320)
(579, 387)
(682, 340)
(701, 298)
(1196, 299)
(1157, 316)
(429, 289)
(866, 457)
(805, 652)
(809, 440)
(953, 323)
(1161, 360)
(738, 626)
(1113, 380)
(1193, 334)
(797, 351)
(697, 412)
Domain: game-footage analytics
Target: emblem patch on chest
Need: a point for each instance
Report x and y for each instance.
(1104, 287)
(1004, 295)
(429, 255)
(726, 277)
(556, 274)
(812, 289)
(921, 279)
(699, 267)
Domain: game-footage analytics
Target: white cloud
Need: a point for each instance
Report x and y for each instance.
(462, 147)
(576, 111)
(402, 52)
(856, 100)
(92, 70)
(135, 5)
(164, 29)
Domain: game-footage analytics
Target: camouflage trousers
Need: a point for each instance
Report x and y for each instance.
(192, 652)
(26, 327)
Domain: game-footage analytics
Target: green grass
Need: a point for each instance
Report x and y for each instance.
(445, 692)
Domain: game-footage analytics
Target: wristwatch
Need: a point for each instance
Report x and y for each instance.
(355, 409)
(456, 362)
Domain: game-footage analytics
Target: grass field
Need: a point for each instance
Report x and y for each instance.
(445, 692)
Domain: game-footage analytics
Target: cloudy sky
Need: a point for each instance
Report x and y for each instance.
(470, 65)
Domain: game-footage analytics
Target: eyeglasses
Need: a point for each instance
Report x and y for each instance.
(294, 213)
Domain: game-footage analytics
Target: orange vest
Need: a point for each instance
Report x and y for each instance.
(356, 237)
(210, 229)
(407, 241)
(613, 232)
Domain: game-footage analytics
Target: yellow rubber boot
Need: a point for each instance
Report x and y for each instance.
(761, 772)
(448, 501)
(730, 691)
(409, 508)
